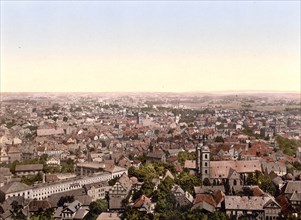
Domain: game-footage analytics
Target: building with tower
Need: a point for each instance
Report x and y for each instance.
(203, 160)
(218, 172)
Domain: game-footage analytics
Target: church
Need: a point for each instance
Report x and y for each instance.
(235, 171)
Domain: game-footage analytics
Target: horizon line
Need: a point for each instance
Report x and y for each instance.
(182, 92)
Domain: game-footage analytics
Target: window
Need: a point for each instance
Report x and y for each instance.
(206, 171)
(206, 156)
(206, 164)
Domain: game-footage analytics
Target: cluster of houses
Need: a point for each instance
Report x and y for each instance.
(104, 142)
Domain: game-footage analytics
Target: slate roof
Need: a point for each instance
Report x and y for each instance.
(96, 185)
(125, 182)
(36, 205)
(29, 167)
(109, 216)
(220, 169)
(81, 213)
(208, 189)
(273, 166)
(73, 206)
(156, 155)
(115, 169)
(296, 197)
(5, 171)
(245, 202)
(292, 186)
(14, 187)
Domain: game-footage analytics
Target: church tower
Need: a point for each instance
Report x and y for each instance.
(203, 160)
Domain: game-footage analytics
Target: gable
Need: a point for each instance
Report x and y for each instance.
(271, 204)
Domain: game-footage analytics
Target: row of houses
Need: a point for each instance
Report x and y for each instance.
(42, 191)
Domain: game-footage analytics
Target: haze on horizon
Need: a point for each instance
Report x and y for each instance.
(150, 46)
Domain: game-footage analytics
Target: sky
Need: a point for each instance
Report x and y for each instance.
(150, 46)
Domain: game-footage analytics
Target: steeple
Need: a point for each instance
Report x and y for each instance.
(203, 159)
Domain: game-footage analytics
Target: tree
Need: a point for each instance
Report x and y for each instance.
(251, 180)
(147, 188)
(264, 182)
(30, 180)
(206, 182)
(43, 215)
(167, 203)
(188, 181)
(131, 213)
(227, 187)
(136, 195)
(218, 215)
(132, 171)
(96, 208)
(287, 146)
(297, 165)
(17, 211)
(67, 166)
(219, 139)
(65, 199)
(113, 181)
(183, 156)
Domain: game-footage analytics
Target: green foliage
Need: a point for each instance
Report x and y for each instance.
(147, 188)
(96, 208)
(288, 146)
(246, 191)
(113, 181)
(206, 182)
(65, 199)
(131, 213)
(13, 165)
(183, 156)
(136, 195)
(188, 181)
(227, 187)
(191, 215)
(219, 139)
(172, 215)
(264, 182)
(149, 170)
(163, 189)
(166, 204)
(218, 216)
(43, 215)
(17, 213)
(52, 169)
(248, 131)
(297, 165)
(30, 180)
(67, 166)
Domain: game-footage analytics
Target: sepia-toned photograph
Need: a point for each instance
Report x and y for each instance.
(150, 110)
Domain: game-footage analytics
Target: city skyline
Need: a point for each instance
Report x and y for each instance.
(99, 46)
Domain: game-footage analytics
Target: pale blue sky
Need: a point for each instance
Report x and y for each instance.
(150, 46)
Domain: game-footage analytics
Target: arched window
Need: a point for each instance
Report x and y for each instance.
(206, 164)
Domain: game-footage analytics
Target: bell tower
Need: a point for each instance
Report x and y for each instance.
(203, 159)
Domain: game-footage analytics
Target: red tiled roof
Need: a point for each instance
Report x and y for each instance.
(204, 198)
